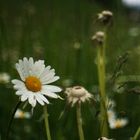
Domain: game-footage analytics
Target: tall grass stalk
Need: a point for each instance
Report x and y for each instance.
(137, 135)
(101, 76)
(47, 123)
(79, 121)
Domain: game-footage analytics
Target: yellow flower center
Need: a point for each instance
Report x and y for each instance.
(118, 124)
(21, 115)
(33, 84)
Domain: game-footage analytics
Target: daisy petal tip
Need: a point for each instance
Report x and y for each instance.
(33, 105)
(13, 81)
(60, 97)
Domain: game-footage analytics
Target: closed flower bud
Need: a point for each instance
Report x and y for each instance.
(105, 17)
(98, 38)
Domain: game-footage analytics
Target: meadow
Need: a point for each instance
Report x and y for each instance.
(60, 33)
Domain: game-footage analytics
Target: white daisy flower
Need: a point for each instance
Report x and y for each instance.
(35, 79)
(77, 94)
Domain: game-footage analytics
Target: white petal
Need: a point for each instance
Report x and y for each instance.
(24, 97)
(18, 84)
(55, 78)
(74, 100)
(51, 88)
(83, 99)
(39, 99)
(49, 94)
(38, 68)
(20, 92)
(47, 77)
(45, 71)
(32, 100)
(26, 66)
(23, 65)
(31, 61)
(43, 98)
(20, 71)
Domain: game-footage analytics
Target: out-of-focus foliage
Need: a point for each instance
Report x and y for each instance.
(60, 32)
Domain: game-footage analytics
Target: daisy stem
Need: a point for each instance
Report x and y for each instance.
(137, 134)
(79, 121)
(47, 123)
(101, 76)
(12, 117)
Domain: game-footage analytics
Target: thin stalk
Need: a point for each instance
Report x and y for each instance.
(101, 76)
(12, 117)
(137, 134)
(79, 122)
(47, 123)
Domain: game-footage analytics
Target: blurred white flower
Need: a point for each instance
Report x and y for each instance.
(118, 123)
(77, 94)
(114, 122)
(35, 78)
(22, 115)
(4, 78)
(132, 3)
(104, 138)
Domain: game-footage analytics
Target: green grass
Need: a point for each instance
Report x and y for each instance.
(48, 30)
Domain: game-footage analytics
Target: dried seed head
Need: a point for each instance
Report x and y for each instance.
(105, 17)
(77, 94)
(98, 38)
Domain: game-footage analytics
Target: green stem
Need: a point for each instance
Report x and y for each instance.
(12, 117)
(101, 76)
(137, 134)
(79, 122)
(47, 123)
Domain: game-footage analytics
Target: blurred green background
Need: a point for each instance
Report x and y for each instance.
(60, 33)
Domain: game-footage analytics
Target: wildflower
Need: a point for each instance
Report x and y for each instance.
(77, 94)
(21, 114)
(104, 138)
(98, 38)
(114, 122)
(4, 78)
(118, 123)
(105, 17)
(35, 78)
